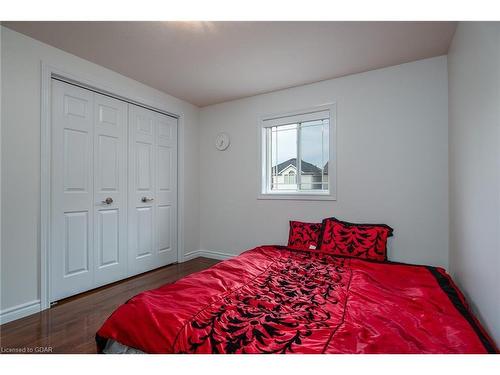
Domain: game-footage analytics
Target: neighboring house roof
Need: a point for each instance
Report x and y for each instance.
(325, 168)
(307, 168)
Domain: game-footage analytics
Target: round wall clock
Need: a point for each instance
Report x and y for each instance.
(222, 141)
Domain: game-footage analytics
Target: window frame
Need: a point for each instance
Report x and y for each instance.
(274, 120)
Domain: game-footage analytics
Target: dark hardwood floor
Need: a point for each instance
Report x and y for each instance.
(70, 326)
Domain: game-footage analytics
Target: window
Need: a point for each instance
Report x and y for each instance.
(290, 178)
(298, 155)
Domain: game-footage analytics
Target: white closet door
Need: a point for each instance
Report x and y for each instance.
(110, 189)
(152, 190)
(72, 251)
(113, 190)
(89, 190)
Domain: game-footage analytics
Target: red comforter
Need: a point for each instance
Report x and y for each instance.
(275, 300)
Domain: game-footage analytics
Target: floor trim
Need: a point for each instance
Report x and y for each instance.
(20, 311)
(207, 254)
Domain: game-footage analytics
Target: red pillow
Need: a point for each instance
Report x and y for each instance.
(303, 236)
(365, 241)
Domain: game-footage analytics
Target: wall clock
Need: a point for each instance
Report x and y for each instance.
(222, 141)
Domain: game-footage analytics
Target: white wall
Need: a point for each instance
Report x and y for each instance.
(474, 145)
(20, 250)
(392, 137)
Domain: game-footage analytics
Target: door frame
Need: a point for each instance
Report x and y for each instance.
(107, 88)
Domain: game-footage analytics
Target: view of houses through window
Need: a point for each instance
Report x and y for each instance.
(298, 156)
(312, 177)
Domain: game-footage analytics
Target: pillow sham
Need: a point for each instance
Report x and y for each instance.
(303, 236)
(364, 241)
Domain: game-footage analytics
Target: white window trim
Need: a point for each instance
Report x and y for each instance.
(264, 122)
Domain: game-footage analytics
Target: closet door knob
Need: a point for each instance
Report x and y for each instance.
(108, 200)
(146, 199)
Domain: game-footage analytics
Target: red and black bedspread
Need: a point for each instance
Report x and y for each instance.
(275, 300)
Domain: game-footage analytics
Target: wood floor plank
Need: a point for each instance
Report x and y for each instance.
(70, 326)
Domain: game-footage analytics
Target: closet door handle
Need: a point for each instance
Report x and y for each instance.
(146, 199)
(108, 200)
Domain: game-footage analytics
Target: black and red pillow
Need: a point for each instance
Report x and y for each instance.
(365, 241)
(303, 236)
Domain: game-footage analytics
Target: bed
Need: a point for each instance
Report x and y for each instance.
(273, 299)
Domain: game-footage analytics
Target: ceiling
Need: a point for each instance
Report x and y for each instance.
(211, 62)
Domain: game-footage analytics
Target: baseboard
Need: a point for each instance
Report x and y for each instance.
(20, 311)
(207, 254)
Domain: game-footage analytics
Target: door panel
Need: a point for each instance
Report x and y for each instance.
(76, 246)
(71, 194)
(108, 232)
(110, 183)
(164, 174)
(75, 106)
(152, 189)
(144, 167)
(76, 158)
(144, 232)
(108, 153)
(164, 227)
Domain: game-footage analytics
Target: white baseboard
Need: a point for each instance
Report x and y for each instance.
(207, 254)
(20, 311)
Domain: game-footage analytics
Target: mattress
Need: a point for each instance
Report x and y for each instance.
(272, 299)
(114, 347)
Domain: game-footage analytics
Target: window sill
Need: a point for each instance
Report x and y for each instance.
(297, 197)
